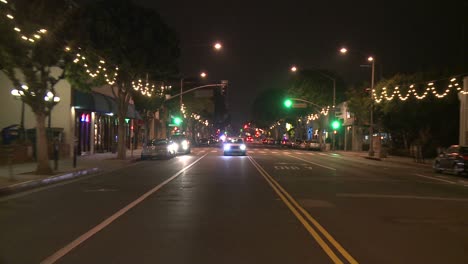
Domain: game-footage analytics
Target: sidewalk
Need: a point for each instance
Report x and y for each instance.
(389, 158)
(20, 177)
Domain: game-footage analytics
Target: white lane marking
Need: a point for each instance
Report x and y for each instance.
(65, 250)
(322, 154)
(202, 151)
(274, 152)
(320, 165)
(214, 151)
(434, 178)
(368, 195)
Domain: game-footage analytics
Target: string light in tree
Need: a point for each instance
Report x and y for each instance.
(411, 91)
(32, 37)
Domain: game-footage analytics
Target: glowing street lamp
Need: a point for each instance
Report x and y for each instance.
(203, 74)
(371, 125)
(218, 46)
(293, 68)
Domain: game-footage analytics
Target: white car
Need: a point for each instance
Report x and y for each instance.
(234, 146)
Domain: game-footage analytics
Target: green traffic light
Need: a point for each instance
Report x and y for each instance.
(177, 120)
(288, 103)
(335, 124)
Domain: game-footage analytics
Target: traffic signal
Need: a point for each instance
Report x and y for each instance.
(335, 124)
(177, 120)
(224, 86)
(288, 103)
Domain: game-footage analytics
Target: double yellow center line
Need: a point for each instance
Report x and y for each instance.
(316, 230)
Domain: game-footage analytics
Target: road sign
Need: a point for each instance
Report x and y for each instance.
(299, 105)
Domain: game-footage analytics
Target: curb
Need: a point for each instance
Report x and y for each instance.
(23, 186)
(372, 158)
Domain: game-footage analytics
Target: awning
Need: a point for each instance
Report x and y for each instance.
(97, 102)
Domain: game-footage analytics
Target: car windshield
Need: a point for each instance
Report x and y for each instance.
(158, 142)
(178, 137)
(236, 140)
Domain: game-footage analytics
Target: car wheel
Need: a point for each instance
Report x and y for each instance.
(437, 168)
(454, 169)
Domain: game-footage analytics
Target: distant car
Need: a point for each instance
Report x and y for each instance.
(183, 144)
(249, 139)
(296, 143)
(286, 143)
(203, 142)
(159, 148)
(234, 146)
(303, 145)
(314, 144)
(454, 159)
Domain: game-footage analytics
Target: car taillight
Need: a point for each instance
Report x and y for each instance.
(465, 157)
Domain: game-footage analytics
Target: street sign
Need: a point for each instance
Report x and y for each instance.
(299, 105)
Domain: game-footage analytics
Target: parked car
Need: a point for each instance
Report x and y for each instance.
(159, 148)
(286, 143)
(314, 145)
(183, 144)
(295, 143)
(304, 144)
(454, 159)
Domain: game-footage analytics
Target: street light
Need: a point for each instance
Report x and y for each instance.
(218, 46)
(371, 125)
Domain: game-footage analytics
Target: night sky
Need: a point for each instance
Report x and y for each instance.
(263, 39)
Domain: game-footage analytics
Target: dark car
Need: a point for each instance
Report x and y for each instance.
(203, 142)
(158, 148)
(454, 159)
(183, 144)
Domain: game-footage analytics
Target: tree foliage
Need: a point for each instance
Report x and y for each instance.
(133, 38)
(315, 86)
(36, 64)
(430, 122)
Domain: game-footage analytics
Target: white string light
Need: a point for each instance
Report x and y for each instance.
(411, 91)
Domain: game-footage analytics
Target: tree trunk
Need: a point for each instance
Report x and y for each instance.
(121, 148)
(42, 151)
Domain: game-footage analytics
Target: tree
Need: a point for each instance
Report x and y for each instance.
(134, 39)
(430, 122)
(147, 105)
(268, 107)
(312, 85)
(33, 58)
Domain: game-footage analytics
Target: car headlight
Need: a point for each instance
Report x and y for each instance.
(242, 147)
(227, 147)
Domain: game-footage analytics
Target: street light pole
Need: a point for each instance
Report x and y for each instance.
(371, 125)
(181, 89)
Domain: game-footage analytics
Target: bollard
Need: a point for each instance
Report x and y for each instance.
(56, 153)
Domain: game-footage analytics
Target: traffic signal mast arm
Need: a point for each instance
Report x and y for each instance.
(305, 101)
(196, 88)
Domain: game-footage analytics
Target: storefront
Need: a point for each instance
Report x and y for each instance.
(96, 123)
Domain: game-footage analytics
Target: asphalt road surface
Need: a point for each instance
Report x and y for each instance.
(271, 206)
